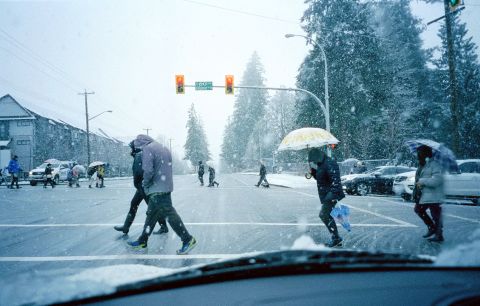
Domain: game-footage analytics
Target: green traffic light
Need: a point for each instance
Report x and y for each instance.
(455, 2)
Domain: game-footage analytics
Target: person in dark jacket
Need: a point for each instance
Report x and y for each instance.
(48, 175)
(158, 186)
(139, 195)
(201, 172)
(211, 177)
(14, 169)
(326, 172)
(428, 193)
(263, 176)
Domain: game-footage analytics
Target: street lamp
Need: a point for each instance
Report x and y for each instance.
(327, 103)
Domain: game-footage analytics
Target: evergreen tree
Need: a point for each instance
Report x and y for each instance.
(249, 109)
(356, 79)
(196, 146)
(468, 82)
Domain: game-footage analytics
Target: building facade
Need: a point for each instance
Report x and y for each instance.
(35, 138)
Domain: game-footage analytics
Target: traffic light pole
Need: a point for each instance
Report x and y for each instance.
(322, 106)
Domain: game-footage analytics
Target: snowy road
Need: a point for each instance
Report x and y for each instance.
(65, 228)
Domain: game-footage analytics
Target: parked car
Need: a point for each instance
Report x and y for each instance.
(378, 180)
(403, 185)
(60, 171)
(464, 185)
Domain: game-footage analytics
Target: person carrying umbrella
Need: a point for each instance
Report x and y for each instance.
(326, 172)
(428, 192)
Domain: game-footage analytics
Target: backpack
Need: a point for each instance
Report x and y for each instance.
(91, 171)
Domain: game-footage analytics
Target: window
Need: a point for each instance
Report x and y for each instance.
(470, 167)
(23, 123)
(23, 142)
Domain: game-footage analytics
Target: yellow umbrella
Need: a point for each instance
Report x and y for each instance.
(306, 138)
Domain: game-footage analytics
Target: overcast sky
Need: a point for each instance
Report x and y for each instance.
(128, 53)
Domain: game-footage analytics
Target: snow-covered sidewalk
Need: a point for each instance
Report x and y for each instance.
(288, 180)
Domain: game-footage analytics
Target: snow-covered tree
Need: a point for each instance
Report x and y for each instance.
(249, 109)
(468, 82)
(196, 146)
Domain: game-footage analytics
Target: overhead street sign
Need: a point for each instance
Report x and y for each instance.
(203, 85)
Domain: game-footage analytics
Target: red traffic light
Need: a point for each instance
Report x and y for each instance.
(229, 84)
(180, 83)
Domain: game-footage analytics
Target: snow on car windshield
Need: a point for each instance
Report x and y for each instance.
(240, 126)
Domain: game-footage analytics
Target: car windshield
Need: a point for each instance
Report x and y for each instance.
(205, 130)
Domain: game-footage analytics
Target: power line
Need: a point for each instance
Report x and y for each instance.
(15, 42)
(38, 69)
(242, 12)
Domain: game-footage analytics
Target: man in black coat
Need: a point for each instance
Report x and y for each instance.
(201, 172)
(263, 175)
(139, 194)
(327, 174)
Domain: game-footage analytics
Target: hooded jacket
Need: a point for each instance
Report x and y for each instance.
(156, 165)
(431, 179)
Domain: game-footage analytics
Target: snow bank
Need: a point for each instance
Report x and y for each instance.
(466, 254)
(306, 242)
(63, 285)
(288, 180)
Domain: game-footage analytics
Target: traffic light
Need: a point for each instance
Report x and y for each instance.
(180, 82)
(454, 4)
(229, 84)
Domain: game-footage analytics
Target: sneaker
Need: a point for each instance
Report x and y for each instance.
(162, 230)
(121, 229)
(137, 244)
(335, 242)
(187, 247)
(429, 233)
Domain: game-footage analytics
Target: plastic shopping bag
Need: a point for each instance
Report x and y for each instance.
(341, 213)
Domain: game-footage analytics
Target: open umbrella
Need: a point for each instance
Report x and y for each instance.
(96, 163)
(306, 138)
(443, 155)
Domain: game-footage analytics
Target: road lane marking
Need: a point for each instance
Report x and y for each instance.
(200, 224)
(412, 205)
(116, 257)
(400, 222)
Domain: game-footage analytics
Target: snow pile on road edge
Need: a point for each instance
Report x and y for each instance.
(466, 254)
(306, 242)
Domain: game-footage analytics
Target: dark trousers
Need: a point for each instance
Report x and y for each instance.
(160, 207)
(263, 178)
(14, 180)
(49, 180)
(211, 181)
(138, 197)
(328, 219)
(435, 222)
(200, 178)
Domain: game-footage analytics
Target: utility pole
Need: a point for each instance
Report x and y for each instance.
(147, 130)
(85, 93)
(170, 140)
(453, 79)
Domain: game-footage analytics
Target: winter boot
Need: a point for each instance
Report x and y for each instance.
(126, 225)
(335, 242)
(430, 232)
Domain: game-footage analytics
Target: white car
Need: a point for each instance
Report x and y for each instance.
(403, 184)
(59, 174)
(464, 185)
